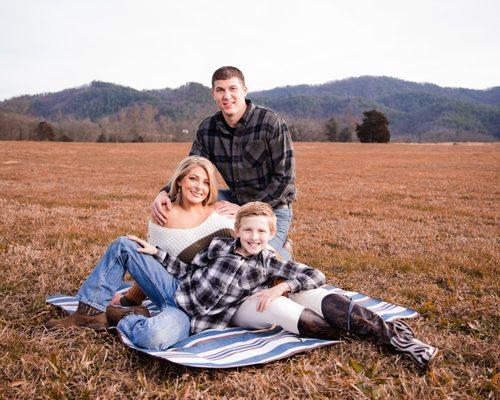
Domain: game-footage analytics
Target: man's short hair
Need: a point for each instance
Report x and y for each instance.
(227, 72)
(256, 208)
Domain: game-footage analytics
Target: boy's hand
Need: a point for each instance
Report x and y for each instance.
(268, 295)
(146, 247)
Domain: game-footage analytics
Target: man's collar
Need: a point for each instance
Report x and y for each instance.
(243, 120)
(248, 112)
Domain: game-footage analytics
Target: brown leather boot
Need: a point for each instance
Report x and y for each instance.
(85, 316)
(115, 313)
(314, 325)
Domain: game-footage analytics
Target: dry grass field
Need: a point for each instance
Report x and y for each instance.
(413, 224)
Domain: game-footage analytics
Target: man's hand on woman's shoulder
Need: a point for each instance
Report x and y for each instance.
(160, 207)
(226, 208)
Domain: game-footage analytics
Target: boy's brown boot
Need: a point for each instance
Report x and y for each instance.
(84, 316)
(114, 314)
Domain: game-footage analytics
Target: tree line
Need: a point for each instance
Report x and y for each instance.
(141, 124)
(103, 111)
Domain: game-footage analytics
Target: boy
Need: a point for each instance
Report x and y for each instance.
(230, 282)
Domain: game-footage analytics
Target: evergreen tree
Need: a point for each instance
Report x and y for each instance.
(45, 131)
(374, 128)
(332, 130)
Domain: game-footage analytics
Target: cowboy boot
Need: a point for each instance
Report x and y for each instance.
(313, 325)
(115, 314)
(348, 318)
(354, 319)
(403, 329)
(419, 352)
(84, 316)
(134, 296)
(401, 337)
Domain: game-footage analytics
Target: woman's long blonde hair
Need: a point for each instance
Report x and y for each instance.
(184, 168)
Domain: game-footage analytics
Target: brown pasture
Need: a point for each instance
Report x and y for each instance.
(413, 224)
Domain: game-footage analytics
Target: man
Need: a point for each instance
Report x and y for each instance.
(252, 149)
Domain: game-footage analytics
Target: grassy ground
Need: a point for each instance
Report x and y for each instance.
(413, 224)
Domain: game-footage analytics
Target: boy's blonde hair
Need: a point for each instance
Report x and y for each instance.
(184, 168)
(256, 208)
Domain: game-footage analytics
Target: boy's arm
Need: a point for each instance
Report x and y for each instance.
(178, 268)
(298, 276)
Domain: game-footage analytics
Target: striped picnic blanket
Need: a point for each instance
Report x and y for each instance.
(238, 347)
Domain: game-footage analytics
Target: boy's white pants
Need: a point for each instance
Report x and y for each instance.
(282, 311)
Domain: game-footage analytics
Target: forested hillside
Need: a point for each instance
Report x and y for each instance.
(107, 112)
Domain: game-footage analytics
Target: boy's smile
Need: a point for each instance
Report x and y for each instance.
(254, 234)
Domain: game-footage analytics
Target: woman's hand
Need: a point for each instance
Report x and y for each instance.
(146, 247)
(268, 295)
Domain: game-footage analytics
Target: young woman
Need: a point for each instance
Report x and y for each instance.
(192, 223)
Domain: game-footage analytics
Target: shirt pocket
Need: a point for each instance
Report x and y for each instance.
(205, 292)
(256, 153)
(220, 281)
(252, 278)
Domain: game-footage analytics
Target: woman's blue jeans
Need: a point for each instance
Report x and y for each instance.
(283, 221)
(158, 332)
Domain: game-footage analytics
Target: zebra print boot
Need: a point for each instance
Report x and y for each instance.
(344, 316)
(402, 329)
(419, 352)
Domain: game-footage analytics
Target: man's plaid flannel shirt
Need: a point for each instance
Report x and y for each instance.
(218, 280)
(257, 161)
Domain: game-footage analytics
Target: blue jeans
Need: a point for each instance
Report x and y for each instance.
(158, 332)
(283, 221)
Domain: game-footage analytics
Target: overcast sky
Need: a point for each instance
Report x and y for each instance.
(50, 45)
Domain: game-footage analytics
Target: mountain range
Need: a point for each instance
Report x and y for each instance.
(108, 112)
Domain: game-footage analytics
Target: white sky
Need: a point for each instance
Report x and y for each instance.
(50, 45)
